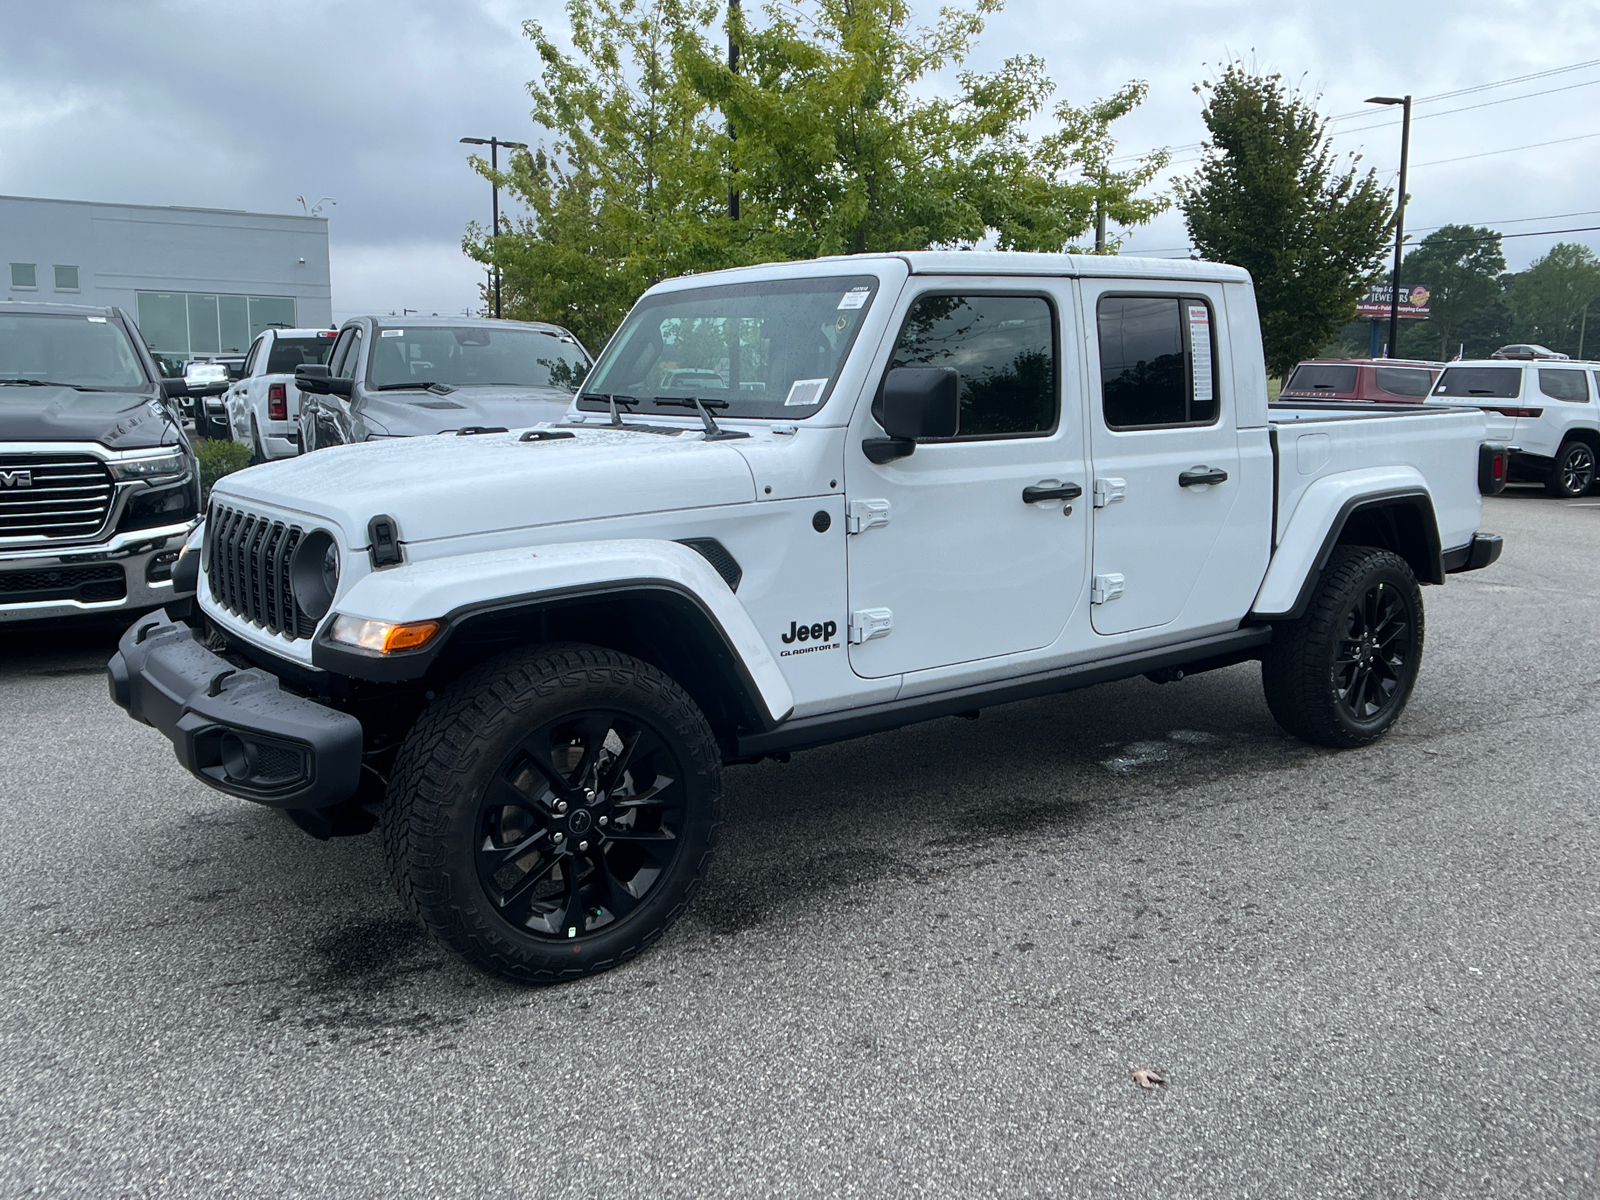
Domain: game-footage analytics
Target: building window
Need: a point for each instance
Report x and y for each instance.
(66, 278)
(183, 324)
(24, 275)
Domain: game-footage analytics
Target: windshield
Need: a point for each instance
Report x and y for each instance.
(289, 354)
(85, 352)
(768, 349)
(476, 356)
(1496, 383)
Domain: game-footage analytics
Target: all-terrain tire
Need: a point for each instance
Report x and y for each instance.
(1573, 473)
(1341, 674)
(443, 813)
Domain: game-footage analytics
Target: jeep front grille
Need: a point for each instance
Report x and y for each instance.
(248, 559)
(66, 495)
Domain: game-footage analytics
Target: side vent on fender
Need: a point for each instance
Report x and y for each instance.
(715, 553)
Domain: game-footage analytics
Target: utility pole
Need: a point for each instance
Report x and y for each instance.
(1583, 327)
(494, 145)
(733, 67)
(1100, 215)
(1400, 211)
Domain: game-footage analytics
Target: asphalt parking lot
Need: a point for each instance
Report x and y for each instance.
(925, 963)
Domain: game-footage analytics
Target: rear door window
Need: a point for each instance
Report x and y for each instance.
(1403, 381)
(1564, 385)
(1322, 378)
(1157, 356)
(1480, 383)
(1003, 348)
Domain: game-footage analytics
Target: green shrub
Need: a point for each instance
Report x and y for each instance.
(218, 458)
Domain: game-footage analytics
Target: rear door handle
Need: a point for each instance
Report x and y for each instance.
(1195, 476)
(1055, 491)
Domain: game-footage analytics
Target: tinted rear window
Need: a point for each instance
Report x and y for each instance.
(1564, 385)
(1322, 379)
(1473, 383)
(1403, 381)
(291, 353)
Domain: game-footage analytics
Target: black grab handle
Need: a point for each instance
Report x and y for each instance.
(1195, 476)
(1066, 491)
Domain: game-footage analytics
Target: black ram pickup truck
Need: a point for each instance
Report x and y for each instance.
(99, 488)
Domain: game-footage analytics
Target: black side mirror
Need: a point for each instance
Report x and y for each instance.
(915, 402)
(173, 388)
(314, 378)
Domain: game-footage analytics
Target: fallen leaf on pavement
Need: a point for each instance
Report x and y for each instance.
(1148, 1079)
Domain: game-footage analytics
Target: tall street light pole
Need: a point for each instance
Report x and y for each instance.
(494, 145)
(1400, 210)
(733, 67)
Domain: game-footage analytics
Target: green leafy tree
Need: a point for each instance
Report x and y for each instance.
(1461, 266)
(828, 131)
(1548, 300)
(1270, 197)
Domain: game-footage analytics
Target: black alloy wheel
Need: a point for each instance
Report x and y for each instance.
(552, 811)
(1341, 674)
(1574, 471)
(580, 822)
(1375, 654)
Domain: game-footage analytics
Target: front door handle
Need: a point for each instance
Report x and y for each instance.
(1195, 476)
(1055, 491)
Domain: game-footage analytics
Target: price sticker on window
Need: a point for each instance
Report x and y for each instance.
(855, 298)
(1200, 352)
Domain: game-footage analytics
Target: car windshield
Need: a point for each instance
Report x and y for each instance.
(1468, 383)
(1316, 378)
(83, 352)
(476, 356)
(289, 354)
(768, 349)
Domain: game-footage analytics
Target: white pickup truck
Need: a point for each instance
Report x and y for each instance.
(263, 407)
(793, 504)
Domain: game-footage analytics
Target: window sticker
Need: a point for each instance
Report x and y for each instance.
(855, 297)
(393, 333)
(1200, 349)
(96, 320)
(805, 391)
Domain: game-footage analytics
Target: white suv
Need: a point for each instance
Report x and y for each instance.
(1546, 411)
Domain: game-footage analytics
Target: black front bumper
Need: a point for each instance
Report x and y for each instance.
(235, 729)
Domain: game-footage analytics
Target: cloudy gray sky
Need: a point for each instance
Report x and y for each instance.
(247, 105)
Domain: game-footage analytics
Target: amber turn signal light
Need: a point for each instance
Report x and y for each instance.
(382, 637)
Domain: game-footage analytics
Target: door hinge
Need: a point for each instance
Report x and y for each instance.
(1109, 491)
(869, 623)
(863, 515)
(1106, 588)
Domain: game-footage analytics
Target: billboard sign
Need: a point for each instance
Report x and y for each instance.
(1375, 305)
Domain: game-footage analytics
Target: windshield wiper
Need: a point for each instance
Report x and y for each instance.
(419, 385)
(612, 400)
(714, 433)
(77, 387)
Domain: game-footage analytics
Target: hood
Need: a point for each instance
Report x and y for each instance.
(117, 420)
(407, 413)
(450, 486)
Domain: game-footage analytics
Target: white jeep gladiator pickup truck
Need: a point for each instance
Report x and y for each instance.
(793, 504)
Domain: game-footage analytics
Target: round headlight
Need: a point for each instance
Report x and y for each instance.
(314, 574)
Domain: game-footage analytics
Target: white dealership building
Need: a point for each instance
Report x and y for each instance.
(200, 281)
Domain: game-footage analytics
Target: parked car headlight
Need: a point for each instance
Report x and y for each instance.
(149, 466)
(314, 574)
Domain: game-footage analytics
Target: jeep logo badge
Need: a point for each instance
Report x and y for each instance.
(16, 479)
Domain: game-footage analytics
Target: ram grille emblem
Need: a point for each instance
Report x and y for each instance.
(16, 479)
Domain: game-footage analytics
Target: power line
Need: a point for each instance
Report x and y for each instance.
(1506, 150)
(1445, 112)
(1498, 236)
(1590, 212)
(1467, 91)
